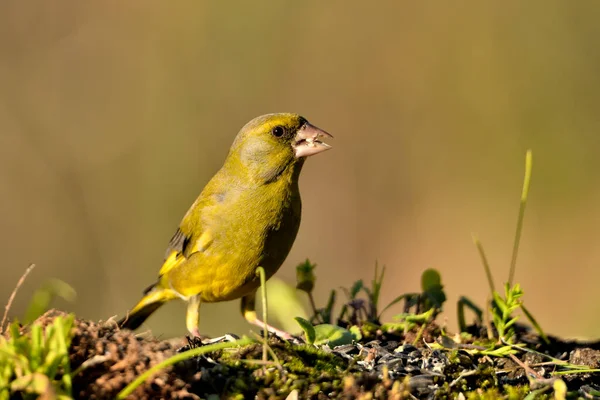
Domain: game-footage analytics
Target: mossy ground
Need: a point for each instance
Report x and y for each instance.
(383, 366)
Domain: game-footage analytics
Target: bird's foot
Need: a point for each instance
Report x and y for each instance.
(277, 332)
(195, 333)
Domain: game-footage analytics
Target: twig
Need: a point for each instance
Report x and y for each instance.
(557, 361)
(463, 375)
(525, 367)
(90, 362)
(13, 294)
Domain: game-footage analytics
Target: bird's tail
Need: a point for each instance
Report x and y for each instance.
(154, 297)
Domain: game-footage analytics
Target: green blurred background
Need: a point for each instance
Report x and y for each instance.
(113, 116)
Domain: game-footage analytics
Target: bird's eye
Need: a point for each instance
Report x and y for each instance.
(278, 131)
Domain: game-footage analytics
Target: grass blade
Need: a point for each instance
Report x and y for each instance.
(486, 264)
(535, 324)
(524, 195)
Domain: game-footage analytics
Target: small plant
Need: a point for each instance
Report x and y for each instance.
(373, 294)
(504, 308)
(432, 297)
(360, 317)
(408, 321)
(37, 363)
(305, 281)
(357, 310)
(327, 334)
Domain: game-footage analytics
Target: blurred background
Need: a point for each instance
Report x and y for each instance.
(114, 115)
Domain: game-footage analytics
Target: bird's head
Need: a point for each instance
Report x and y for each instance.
(271, 144)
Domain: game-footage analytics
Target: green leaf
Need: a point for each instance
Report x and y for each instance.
(305, 277)
(33, 383)
(498, 352)
(332, 335)
(15, 333)
(391, 327)
(36, 347)
(430, 279)
(395, 301)
(407, 321)
(358, 285)
(465, 302)
(63, 327)
(376, 284)
(535, 324)
(421, 318)
(486, 264)
(41, 299)
(284, 304)
(356, 333)
(307, 327)
(521, 216)
(500, 303)
(343, 312)
(510, 322)
(436, 296)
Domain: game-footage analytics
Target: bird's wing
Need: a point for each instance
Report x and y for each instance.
(175, 251)
(191, 237)
(178, 243)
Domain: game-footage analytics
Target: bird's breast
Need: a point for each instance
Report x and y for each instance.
(255, 230)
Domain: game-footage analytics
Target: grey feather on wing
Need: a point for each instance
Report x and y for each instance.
(178, 243)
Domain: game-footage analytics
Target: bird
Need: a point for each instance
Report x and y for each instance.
(247, 216)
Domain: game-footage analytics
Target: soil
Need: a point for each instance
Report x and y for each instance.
(380, 366)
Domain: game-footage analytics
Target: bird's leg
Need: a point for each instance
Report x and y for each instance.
(249, 313)
(192, 318)
(192, 321)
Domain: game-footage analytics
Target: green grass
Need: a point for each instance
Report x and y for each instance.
(37, 363)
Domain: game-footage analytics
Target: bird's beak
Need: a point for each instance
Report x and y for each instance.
(308, 141)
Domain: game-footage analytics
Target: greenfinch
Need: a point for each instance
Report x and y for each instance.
(246, 217)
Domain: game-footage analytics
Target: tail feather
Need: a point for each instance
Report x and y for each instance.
(152, 300)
